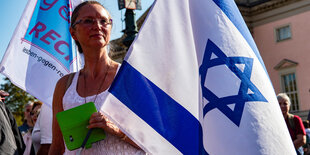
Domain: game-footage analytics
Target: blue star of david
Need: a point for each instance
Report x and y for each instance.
(242, 97)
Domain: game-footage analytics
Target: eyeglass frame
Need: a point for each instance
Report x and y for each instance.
(93, 21)
(35, 113)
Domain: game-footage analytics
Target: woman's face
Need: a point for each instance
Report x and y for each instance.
(27, 115)
(89, 28)
(35, 113)
(27, 111)
(285, 107)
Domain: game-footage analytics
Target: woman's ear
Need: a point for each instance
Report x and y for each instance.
(72, 32)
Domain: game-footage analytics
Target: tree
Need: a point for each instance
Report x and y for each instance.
(16, 100)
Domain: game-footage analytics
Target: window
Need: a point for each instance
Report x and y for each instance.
(283, 33)
(290, 88)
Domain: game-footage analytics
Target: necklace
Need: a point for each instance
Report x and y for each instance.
(105, 75)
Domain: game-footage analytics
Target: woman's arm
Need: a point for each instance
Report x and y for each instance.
(299, 141)
(57, 146)
(98, 120)
(44, 148)
(300, 132)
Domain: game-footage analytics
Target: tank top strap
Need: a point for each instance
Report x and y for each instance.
(73, 85)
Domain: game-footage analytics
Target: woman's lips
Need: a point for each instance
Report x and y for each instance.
(97, 35)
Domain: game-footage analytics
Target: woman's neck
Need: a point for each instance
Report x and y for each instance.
(96, 63)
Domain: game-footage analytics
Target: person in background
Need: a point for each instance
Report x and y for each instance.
(42, 131)
(36, 106)
(293, 123)
(35, 111)
(27, 119)
(307, 145)
(11, 141)
(307, 127)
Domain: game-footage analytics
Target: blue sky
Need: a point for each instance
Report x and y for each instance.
(11, 11)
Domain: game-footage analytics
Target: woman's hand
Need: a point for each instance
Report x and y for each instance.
(98, 120)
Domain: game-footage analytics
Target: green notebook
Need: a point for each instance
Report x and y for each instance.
(73, 125)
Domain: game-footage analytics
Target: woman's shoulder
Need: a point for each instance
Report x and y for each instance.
(65, 81)
(115, 63)
(60, 89)
(297, 117)
(115, 66)
(65, 78)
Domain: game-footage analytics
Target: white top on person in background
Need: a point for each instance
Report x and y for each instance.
(42, 131)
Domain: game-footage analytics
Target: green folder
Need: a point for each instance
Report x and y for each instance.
(73, 125)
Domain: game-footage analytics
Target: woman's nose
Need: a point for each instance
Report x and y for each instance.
(97, 24)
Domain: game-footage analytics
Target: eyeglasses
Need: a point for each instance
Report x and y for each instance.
(92, 21)
(35, 113)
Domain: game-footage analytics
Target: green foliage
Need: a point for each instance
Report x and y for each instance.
(16, 100)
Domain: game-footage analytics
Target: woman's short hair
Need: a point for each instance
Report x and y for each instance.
(36, 103)
(283, 96)
(30, 103)
(75, 14)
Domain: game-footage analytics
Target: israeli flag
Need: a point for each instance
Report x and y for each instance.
(41, 50)
(193, 82)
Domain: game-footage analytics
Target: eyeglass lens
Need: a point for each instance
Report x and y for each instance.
(91, 21)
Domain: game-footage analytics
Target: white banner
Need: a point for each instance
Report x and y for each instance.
(41, 50)
(193, 82)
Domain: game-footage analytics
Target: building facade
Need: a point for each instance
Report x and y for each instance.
(281, 30)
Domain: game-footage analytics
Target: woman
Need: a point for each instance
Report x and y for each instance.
(28, 138)
(27, 119)
(36, 108)
(293, 123)
(91, 26)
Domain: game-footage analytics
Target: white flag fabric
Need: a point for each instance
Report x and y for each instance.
(40, 51)
(193, 82)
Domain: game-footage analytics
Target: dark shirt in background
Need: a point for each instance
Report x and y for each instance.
(11, 140)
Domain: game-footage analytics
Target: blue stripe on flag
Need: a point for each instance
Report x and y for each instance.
(231, 10)
(158, 109)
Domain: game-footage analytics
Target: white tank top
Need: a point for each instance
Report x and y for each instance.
(111, 144)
